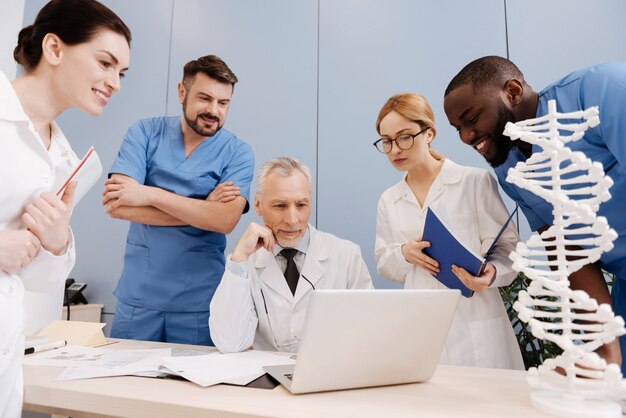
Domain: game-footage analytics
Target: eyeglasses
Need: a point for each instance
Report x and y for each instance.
(294, 341)
(404, 142)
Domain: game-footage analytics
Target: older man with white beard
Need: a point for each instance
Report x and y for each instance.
(274, 268)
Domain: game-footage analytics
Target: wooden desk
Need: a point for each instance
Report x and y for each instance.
(453, 392)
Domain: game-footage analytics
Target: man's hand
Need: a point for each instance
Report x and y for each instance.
(254, 237)
(17, 249)
(48, 218)
(476, 283)
(224, 192)
(412, 252)
(125, 191)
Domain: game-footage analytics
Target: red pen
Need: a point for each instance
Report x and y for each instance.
(71, 177)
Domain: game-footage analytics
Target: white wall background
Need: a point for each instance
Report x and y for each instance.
(11, 16)
(313, 74)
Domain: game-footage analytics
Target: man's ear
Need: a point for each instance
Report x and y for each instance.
(513, 92)
(52, 49)
(257, 205)
(182, 91)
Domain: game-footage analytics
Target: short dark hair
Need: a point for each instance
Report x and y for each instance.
(74, 21)
(212, 66)
(485, 72)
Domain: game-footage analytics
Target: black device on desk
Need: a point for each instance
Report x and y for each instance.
(73, 292)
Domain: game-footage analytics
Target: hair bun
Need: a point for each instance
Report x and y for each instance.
(24, 46)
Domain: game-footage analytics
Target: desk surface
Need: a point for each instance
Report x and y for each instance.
(453, 392)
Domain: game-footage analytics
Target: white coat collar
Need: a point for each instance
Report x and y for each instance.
(450, 173)
(314, 269)
(10, 107)
(11, 110)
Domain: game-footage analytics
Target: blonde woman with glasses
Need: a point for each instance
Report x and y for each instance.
(481, 334)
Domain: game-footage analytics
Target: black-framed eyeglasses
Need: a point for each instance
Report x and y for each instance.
(404, 142)
(287, 344)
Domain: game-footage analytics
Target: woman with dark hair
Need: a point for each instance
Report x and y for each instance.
(73, 55)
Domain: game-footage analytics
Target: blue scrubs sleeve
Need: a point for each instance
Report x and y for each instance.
(131, 159)
(605, 86)
(240, 171)
(534, 220)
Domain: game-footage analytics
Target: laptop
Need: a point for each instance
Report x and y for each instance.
(362, 338)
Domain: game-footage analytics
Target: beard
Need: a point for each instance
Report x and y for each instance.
(196, 124)
(288, 243)
(501, 143)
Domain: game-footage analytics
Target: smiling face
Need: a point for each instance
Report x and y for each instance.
(480, 117)
(393, 125)
(90, 72)
(285, 206)
(205, 103)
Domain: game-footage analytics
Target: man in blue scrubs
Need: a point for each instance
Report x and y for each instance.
(165, 181)
(491, 91)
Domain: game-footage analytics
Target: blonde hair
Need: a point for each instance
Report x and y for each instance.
(413, 107)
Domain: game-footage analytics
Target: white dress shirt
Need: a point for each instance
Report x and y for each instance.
(26, 170)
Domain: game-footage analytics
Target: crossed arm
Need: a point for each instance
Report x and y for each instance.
(127, 199)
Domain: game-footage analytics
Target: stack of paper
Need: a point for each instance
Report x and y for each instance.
(194, 365)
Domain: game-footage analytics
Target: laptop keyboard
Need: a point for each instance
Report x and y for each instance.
(289, 376)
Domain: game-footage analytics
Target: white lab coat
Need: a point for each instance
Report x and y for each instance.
(26, 170)
(238, 317)
(481, 334)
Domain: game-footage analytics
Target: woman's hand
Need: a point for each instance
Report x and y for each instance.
(48, 218)
(17, 250)
(476, 283)
(412, 252)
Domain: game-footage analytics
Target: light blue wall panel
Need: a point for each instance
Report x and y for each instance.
(549, 39)
(101, 240)
(370, 50)
(272, 48)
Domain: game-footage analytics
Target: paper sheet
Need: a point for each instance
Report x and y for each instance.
(78, 356)
(236, 368)
(146, 366)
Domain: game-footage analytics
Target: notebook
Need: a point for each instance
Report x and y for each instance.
(448, 250)
(86, 173)
(361, 338)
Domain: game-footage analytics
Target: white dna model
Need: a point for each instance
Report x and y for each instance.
(575, 186)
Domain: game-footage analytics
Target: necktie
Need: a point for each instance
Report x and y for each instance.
(291, 271)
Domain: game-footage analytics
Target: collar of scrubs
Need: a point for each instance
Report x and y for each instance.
(302, 245)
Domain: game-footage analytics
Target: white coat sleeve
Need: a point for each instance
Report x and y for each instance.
(233, 319)
(390, 262)
(46, 271)
(492, 215)
(358, 274)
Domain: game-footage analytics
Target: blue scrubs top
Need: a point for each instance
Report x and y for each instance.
(177, 269)
(603, 86)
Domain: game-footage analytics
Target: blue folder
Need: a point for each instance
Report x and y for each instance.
(447, 250)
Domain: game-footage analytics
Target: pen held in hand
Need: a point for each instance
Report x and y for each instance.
(45, 347)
